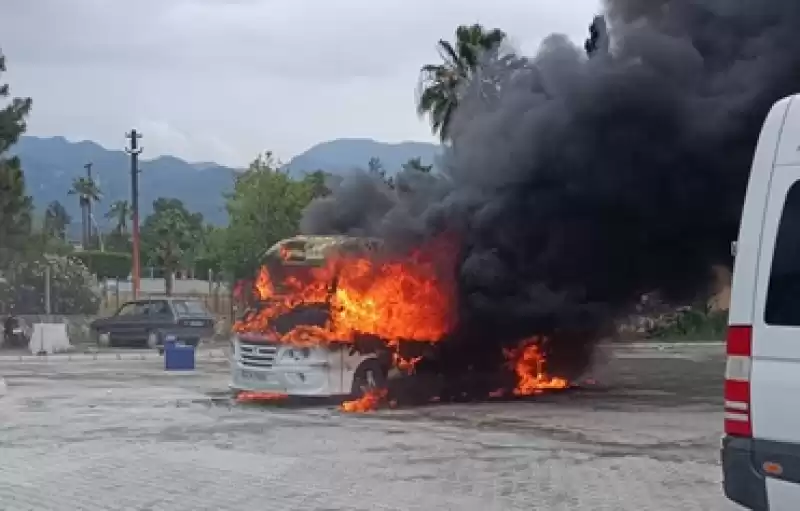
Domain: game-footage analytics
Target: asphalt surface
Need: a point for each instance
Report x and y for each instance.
(119, 433)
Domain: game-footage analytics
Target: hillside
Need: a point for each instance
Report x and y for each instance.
(344, 154)
(51, 164)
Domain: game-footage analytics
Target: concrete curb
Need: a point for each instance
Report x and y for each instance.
(83, 357)
(662, 345)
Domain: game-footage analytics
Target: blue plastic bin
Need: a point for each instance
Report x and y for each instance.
(177, 355)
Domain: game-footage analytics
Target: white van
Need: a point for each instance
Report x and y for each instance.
(259, 364)
(761, 446)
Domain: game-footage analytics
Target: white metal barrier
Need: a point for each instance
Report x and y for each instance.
(49, 338)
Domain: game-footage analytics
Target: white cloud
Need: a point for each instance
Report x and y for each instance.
(224, 79)
(165, 138)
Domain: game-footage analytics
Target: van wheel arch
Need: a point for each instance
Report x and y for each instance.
(370, 375)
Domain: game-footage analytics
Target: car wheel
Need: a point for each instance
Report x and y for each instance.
(104, 339)
(370, 376)
(152, 340)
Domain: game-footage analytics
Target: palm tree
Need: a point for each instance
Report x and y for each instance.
(87, 192)
(120, 211)
(440, 84)
(56, 220)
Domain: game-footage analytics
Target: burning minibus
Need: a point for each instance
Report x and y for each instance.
(336, 316)
(320, 320)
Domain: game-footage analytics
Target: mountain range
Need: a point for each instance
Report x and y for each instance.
(51, 164)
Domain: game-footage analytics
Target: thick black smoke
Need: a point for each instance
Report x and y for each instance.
(584, 183)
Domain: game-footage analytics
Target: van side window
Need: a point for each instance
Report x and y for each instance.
(783, 292)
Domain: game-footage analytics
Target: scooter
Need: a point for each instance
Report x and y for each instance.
(14, 334)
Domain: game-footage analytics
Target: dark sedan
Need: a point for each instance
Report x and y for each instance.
(148, 322)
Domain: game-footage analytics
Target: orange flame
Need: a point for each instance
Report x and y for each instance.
(369, 402)
(400, 298)
(407, 365)
(256, 396)
(529, 363)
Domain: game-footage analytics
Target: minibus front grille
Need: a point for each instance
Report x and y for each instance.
(257, 355)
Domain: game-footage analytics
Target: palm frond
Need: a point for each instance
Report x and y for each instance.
(449, 54)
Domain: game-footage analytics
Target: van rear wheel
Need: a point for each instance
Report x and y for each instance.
(370, 376)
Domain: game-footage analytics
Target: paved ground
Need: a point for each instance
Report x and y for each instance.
(110, 434)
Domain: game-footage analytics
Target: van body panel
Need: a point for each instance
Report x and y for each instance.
(782, 495)
(748, 246)
(789, 146)
(773, 396)
(775, 373)
(743, 482)
(776, 342)
(746, 483)
(285, 369)
(775, 360)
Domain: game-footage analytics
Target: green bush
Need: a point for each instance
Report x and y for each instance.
(72, 289)
(106, 265)
(694, 324)
(202, 266)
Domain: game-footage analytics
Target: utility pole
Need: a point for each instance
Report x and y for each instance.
(89, 229)
(134, 150)
(47, 277)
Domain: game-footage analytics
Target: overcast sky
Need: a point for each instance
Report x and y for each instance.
(221, 80)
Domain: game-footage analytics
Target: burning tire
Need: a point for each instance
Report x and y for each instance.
(370, 376)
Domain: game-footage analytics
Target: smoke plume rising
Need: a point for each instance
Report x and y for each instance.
(585, 182)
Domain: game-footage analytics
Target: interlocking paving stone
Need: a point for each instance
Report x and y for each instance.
(83, 435)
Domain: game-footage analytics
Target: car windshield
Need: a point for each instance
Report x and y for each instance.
(132, 309)
(281, 274)
(290, 267)
(190, 308)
